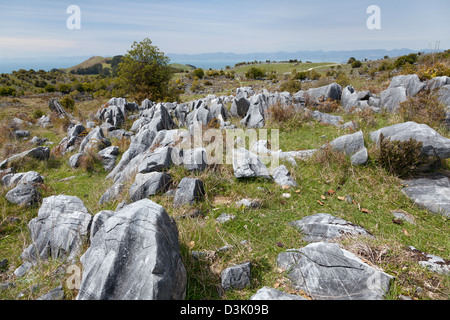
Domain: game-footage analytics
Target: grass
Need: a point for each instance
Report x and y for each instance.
(257, 235)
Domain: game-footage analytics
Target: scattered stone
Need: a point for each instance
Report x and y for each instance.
(23, 269)
(237, 277)
(249, 204)
(158, 160)
(24, 194)
(324, 271)
(94, 141)
(40, 153)
(75, 160)
(269, 294)
(31, 177)
(403, 216)
(248, 165)
(135, 255)
(54, 294)
(58, 230)
(326, 118)
(224, 217)
(282, 177)
(109, 156)
(391, 98)
(149, 184)
(189, 191)
(432, 262)
(325, 227)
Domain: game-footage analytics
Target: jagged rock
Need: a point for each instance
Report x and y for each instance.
(74, 161)
(432, 193)
(56, 108)
(35, 141)
(111, 193)
(189, 191)
(248, 165)
(324, 271)
(438, 82)
(316, 95)
(149, 184)
(40, 153)
(270, 294)
(255, 117)
(112, 114)
(156, 118)
(44, 121)
(58, 230)
(444, 95)
(94, 141)
(410, 82)
(109, 156)
(23, 194)
(135, 255)
(98, 221)
(282, 177)
(360, 158)
(13, 179)
(240, 105)
(74, 137)
(236, 277)
(158, 160)
(391, 98)
(19, 134)
(324, 227)
(434, 145)
(195, 159)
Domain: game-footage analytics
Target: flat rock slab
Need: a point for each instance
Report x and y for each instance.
(135, 255)
(432, 193)
(271, 294)
(324, 271)
(324, 227)
(59, 229)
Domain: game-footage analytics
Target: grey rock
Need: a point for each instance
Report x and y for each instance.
(324, 271)
(434, 145)
(75, 135)
(112, 193)
(99, 220)
(438, 82)
(94, 141)
(189, 191)
(248, 165)
(44, 121)
(13, 179)
(330, 92)
(156, 118)
(282, 177)
(195, 159)
(444, 95)
(325, 227)
(240, 105)
(255, 117)
(112, 114)
(54, 294)
(109, 156)
(149, 184)
(410, 82)
(21, 134)
(40, 153)
(432, 262)
(135, 255)
(249, 204)
(225, 217)
(391, 98)
(270, 294)
(157, 160)
(74, 161)
(236, 277)
(57, 109)
(23, 269)
(349, 144)
(35, 141)
(24, 194)
(360, 158)
(326, 118)
(432, 193)
(58, 230)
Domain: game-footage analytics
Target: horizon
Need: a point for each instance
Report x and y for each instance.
(37, 29)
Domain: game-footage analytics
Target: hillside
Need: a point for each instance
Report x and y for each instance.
(327, 197)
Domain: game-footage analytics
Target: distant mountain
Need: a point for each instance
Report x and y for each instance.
(314, 56)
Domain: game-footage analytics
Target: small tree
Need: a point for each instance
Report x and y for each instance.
(144, 72)
(198, 73)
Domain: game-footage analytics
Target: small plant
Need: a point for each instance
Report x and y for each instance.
(356, 64)
(255, 73)
(199, 73)
(400, 158)
(68, 103)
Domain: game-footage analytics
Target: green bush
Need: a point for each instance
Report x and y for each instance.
(68, 103)
(49, 88)
(400, 158)
(7, 91)
(404, 60)
(255, 73)
(199, 73)
(356, 64)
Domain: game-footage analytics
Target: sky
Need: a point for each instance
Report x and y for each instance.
(39, 28)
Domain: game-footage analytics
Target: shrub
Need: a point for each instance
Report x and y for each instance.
(292, 86)
(255, 73)
(199, 73)
(49, 88)
(37, 114)
(400, 158)
(7, 91)
(404, 60)
(64, 88)
(423, 108)
(356, 64)
(68, 103)
(351, 60)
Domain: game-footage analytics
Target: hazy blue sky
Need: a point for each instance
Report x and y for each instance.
(38, 28)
